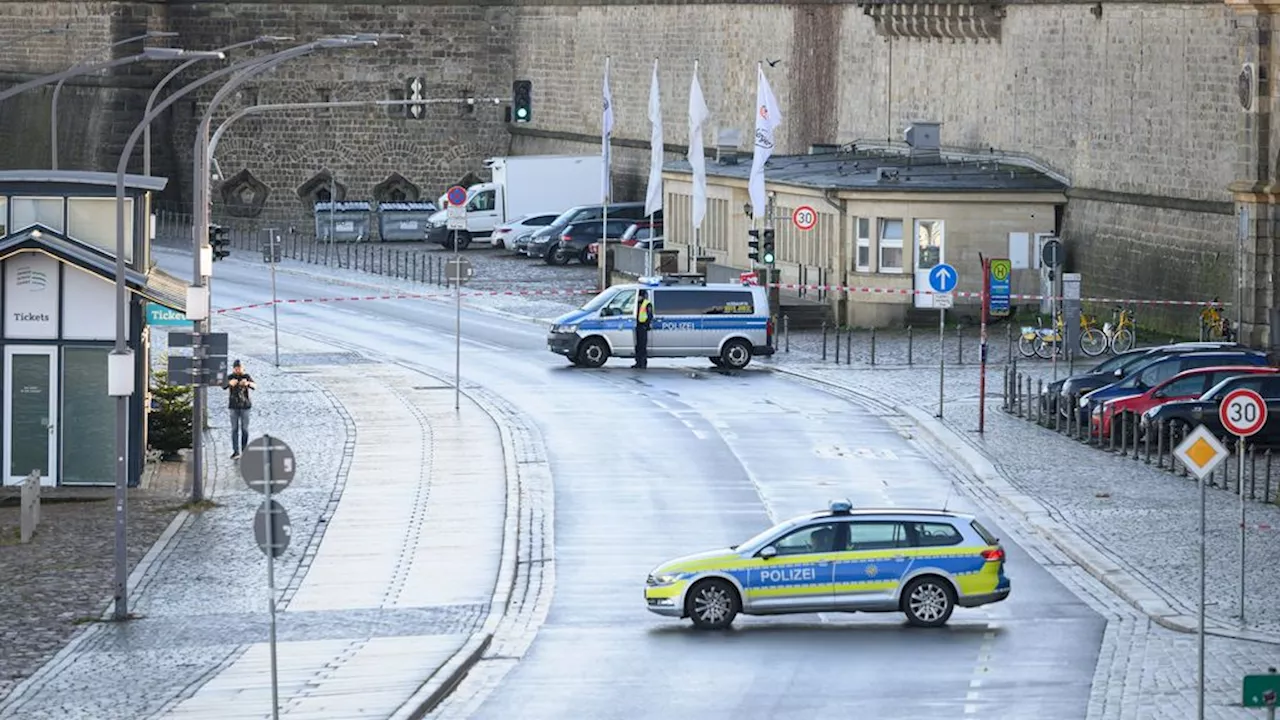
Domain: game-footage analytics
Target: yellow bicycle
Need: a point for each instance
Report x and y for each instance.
(1212, 320)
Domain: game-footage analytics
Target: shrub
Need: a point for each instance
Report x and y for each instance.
(169, 423)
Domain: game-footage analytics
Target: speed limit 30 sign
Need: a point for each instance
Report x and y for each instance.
(804, 217)
(1243, 412)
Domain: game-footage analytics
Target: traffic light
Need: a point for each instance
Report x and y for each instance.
(522, 101)
(768, 246)
(753, 246)
(219, 242)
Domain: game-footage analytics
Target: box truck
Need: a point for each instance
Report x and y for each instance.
(523, 185)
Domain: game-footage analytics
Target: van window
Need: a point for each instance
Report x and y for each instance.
(670, 301)
(634, 211)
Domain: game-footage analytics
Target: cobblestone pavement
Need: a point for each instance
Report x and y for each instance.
(202, 599)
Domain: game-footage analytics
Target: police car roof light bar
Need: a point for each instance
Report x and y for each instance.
(841, 507)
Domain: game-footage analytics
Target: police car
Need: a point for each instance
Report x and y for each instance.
(727, 323)
(922, 563)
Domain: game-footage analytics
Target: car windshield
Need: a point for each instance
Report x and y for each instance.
(600, 300)
(1117, 362)
(767, 534)
(1232, 383)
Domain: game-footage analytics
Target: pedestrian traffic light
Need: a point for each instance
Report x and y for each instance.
(522, 101)
(768, 246)
(753, 246)
(219, 242)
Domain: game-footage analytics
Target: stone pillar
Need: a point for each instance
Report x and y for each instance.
(1255, 192)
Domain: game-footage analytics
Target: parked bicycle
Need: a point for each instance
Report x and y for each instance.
(1213, 319)
(1043, 342)
(1117, 335)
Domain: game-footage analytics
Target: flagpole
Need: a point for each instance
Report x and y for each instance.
(697, 228)
(648, 256)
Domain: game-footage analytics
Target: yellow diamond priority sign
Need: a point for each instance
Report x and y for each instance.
(1200, 452)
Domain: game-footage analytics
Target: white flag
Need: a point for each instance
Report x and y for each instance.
(606, 133)
(653, 199)
(698, 116)
(768, 117)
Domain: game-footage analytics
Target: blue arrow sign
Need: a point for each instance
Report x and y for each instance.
(943, 278)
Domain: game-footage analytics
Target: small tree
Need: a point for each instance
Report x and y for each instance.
(169, 423)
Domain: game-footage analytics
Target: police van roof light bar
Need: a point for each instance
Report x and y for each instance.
(841, 507)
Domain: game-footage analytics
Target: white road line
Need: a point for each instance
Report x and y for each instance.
(699, 434)
(980, 671)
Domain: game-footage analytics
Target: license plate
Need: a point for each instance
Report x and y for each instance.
(408, 225)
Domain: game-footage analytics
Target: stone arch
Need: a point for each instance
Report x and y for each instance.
(396, 188)
(470, 179)
(244, 195)
(317, 189)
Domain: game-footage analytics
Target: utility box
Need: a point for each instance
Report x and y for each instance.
(344, 221)
(404, 221)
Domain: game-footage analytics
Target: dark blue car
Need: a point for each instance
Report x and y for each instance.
(1161, 368)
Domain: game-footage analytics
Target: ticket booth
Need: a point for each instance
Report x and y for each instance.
(58, 309)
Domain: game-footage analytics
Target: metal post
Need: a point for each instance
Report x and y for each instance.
(982, 351)
(786, 333)
(837, 344)
(959, 345)
(1159, 444)
(1009, 342)
(1200, 635)
(1039, 401)
(271, 575)
(457, 324)
(942, 351)
(1147, 442)
(848, 348)
(873, 348)
(1240, 449)
(824, 340)
(910, 346)
(275, 307)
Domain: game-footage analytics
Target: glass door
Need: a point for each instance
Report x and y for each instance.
(30, 420)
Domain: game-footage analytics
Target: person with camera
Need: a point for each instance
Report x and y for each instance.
(239, 383)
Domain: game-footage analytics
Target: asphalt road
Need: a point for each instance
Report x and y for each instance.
(653, 465)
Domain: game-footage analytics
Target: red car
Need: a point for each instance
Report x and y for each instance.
(1187, 385)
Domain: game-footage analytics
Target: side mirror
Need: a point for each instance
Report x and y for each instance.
(606, 312)
(769, 552)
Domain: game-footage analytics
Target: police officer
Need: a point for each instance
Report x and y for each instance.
(644, 318)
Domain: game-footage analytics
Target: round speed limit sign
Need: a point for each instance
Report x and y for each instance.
(805, 217)
(1243, 412)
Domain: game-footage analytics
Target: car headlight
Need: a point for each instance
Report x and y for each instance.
(567, 329)
(665, 578)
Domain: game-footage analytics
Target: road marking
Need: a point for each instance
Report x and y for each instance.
(980, 671)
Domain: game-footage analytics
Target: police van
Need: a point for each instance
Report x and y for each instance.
(725, 322)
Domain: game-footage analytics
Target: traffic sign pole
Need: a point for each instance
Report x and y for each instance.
(1243, 413)
(982, 347)
(271, 578)
(942, 280)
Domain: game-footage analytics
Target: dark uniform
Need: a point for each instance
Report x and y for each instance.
(644, 318)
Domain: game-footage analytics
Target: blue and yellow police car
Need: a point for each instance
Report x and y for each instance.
(922, 563)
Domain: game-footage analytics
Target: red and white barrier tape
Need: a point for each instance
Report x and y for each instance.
(406, 296)
(781, 286)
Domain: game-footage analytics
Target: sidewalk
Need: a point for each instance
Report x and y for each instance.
(398, 553)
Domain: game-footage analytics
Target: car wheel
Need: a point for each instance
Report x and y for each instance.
(715, 360)
(464, 240)
(593, 352)
(713, 604)
(736, 354)
(928, 601)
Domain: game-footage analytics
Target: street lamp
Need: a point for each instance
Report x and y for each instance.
(38, 33)
(200, 208)
(155, 93)
(146, 54)
(57, 90)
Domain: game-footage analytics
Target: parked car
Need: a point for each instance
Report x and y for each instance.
(572, 243)
(1185, 415)
(504, 235)
(1186, 385)
(1157, 371)
(1058, 395)
(540, 243)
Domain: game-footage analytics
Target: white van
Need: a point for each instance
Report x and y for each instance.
(727, 323)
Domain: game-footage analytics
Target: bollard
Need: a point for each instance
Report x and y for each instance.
(1266, 490)
(1017, 392)
(29, 510)
(848, 348)
(1124, 431)
(873, 347)
(1113, 428)
(1008, 343)
(1159, 445)
(1133, 420)
(1004, 394)
(1146, 437)
(1253, 472)
(911, 347)
(824, 340)
(959, 346)
(1057, 417)
(1182, 435)
(1039, 399)
(837, 344)
(1029, 397)
(786, 333)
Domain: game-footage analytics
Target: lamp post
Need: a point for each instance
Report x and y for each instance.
(200, 210)
(57, 90)
(146, 54)
(155, 93)
(38, 33)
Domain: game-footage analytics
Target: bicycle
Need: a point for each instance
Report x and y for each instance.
(1212, 319)
(1044, 342)
(1117, 335)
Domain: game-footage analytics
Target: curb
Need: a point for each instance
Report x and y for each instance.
(1092, 560)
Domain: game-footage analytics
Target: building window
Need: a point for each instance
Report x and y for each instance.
(92, 221)
(862, 262)
(891, 246)
(928, 244)
(88, 418)
(47, 211)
